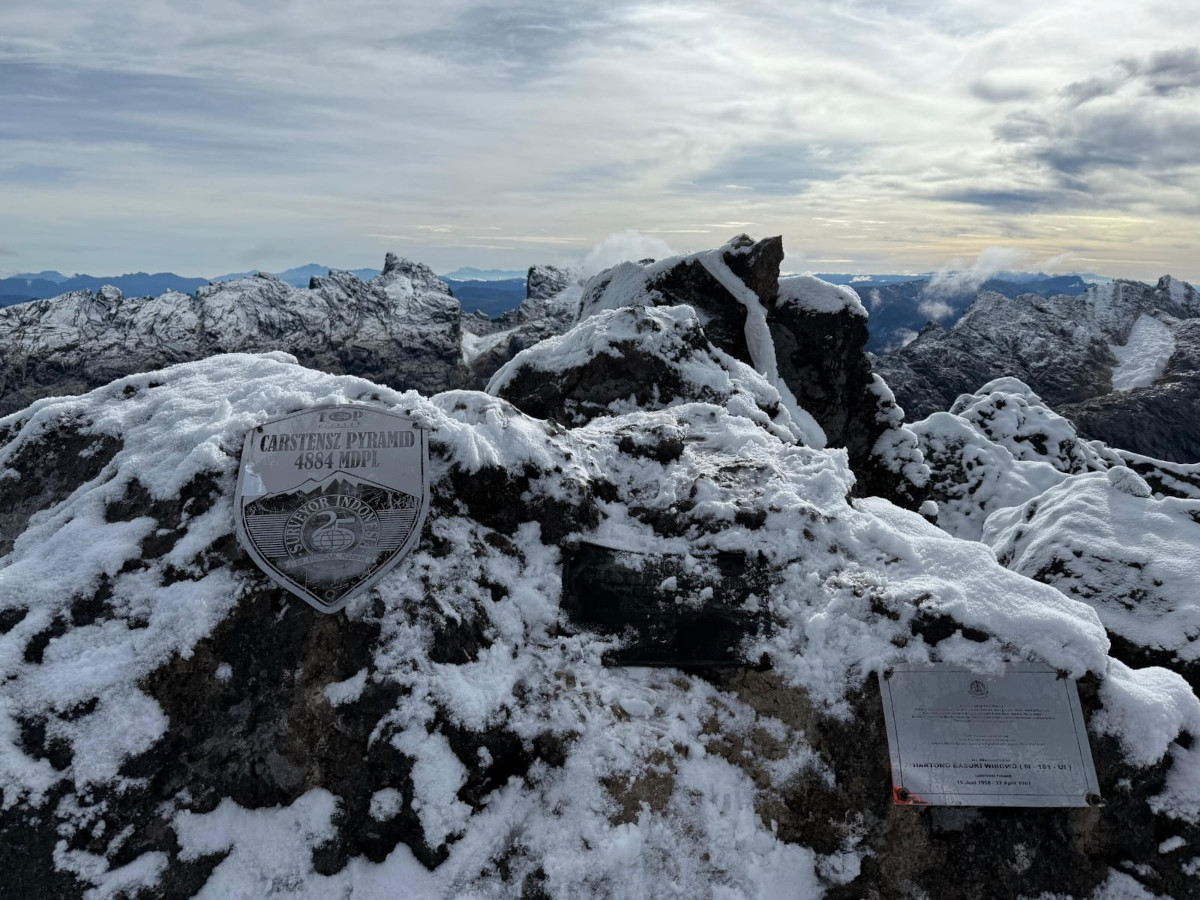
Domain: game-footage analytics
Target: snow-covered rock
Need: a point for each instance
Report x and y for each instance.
(172, 722)
(639, 358)
(401, 328)
(1102, 537)
(1110, 527)
(551, 293)
(806, 340)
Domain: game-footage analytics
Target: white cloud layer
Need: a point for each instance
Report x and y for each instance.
(227, 134)
(955, 279)
(627, 245)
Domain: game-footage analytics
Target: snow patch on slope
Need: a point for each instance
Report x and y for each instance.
(1142, 358)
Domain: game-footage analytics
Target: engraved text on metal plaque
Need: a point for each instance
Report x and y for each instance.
(959, 738)
(330, 498)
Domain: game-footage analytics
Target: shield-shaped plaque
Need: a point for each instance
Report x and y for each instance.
(330, 498)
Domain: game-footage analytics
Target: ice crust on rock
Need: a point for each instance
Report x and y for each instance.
(454, 683)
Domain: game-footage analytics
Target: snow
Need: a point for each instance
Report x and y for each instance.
(1121, 886)
(1143, 357)
(1129, 556)
(759, 342)
(666, 332)
(269, 853)
(812, 293)
(849, 580)
(346, 691)
(1171, 844)
(1147, 709)
(385, 804)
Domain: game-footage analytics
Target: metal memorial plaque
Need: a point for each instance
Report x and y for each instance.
(670, 609)
(958, 738)
(330, 498)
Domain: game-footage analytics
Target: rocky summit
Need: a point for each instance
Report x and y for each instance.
(174, 724)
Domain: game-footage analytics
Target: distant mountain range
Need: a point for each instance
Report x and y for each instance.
(469, 273)
(298, 276)
(899, 310)
(40, 285)
(900, 305)
(492, 297)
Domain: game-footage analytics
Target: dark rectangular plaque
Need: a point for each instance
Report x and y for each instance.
(669, 609)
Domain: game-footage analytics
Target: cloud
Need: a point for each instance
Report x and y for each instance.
(181, 136)
(619, 248)
(874, 299)
(1118, 139)
(775, 168)
(1056, 263)
(1171, 70)
(934, 310)
(954, 280)
(901, 337)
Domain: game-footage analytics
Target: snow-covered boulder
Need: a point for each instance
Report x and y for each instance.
(401, 328)
(1103, 538)
(806, 339)
(639, 358)
(173, 724)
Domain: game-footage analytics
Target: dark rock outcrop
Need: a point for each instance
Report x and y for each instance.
(1059, 346)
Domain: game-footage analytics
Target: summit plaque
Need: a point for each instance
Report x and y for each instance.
(330, 498)
(959, 738)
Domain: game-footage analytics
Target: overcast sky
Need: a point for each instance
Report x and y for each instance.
(204, 137)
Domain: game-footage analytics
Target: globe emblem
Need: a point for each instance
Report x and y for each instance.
(333, 541)
(332, 530)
